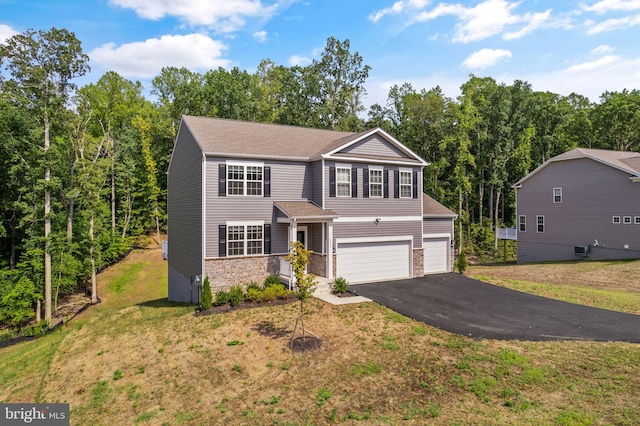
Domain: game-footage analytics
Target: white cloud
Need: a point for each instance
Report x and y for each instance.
(600, 50)
(485, 58)
(613, 24)
(224, 16)
(604, 6)
(486, 19)
(6, 32)
(398, 7)
(145, 59)
(299, 60)
(593, 65)
(261, 36)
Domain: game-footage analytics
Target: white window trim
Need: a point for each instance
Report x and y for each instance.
(343, 167)
(616, 219)
(538, 224)
(636, 220)
(381, 170)
(245, 224)
(245, 165)
(554, 196)
(626, 220)
(520, 223)
(400, 184)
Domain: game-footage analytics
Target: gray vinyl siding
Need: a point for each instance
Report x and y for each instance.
(382, 229)
(315, 169)
(438, 226)
(181, 288)
(315, 234)
(592, 193)
(184, 212)
(359, 206)
(374, 145)
(279, 238)
(290, 181)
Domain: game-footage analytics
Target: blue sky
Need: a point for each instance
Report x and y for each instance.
(563, 46)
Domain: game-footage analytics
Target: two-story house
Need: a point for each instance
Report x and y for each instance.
(584, 203)
(240, 192)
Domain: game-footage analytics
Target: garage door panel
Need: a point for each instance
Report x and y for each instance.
(373, 261)
(436, 257)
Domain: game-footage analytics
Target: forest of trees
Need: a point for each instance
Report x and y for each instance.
(82, 169)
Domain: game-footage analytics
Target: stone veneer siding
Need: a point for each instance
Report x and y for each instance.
(317, 265)
(224, 273)
(418, 262)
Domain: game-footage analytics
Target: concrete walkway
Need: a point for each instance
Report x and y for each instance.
(323, 292)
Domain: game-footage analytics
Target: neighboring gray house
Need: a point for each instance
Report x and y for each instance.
(239, 192)
(584, 203)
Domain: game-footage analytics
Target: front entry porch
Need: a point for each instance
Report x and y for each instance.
(312, 226)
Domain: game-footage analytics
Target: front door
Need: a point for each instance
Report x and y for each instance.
(301, 235)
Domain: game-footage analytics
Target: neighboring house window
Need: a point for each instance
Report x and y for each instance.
(244, 240)
(522, 223)
(375, 183)
(637, 220)
(244, 179)
(557, 195)
(626, 220)
(616, 219)
(540, 221)
(406, 187)
(343, 182)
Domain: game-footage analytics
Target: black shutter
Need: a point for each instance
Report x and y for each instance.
(396, 184)
(222, 240)
(386, 183)
(354, 182)
(415, 184)
(332, 181)
(267, 181)
(365, 183)
(222, 180)
(267, 238)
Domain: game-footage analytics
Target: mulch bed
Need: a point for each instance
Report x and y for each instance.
(243, 305)
(306, 344)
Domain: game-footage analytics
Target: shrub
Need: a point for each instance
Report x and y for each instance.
(236, 294)
(340, 285)
(253, 285)
(222, 297)
(254, 294)
(206, 298)
(271, 280)
(283, 293)
(269, 294)
(461, 262)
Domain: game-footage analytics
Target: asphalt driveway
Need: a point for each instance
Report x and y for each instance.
(462, 305)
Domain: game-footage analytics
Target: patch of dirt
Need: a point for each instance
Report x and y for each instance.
(606, 275)
(306, 344)
(345, 294)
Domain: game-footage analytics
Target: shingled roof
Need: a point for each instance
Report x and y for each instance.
(221, 136)
(432, 208)
(626, 161)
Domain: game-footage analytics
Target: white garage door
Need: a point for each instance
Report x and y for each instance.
(373, 261)
(435, 255)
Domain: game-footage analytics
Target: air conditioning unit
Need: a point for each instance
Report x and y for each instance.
(581, 250)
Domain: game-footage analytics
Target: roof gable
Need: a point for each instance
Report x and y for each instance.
(431, 207)
(626, 161)
(233, 138)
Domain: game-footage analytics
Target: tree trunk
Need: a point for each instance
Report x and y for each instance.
(127, 217)
(47, 226)
(71, 206)
(480, 201)
(113, 198)
(94, 285)
(491, 206)
(498, 193)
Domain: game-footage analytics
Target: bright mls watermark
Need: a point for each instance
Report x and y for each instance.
(34, 414)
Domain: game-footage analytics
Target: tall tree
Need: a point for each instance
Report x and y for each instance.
(341, 77)
(41, 66)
